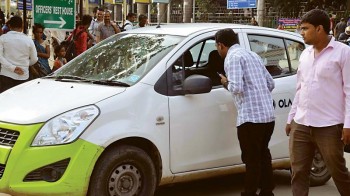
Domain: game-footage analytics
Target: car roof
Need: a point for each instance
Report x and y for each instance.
(186, 29)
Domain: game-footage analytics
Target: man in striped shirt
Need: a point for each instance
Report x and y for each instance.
(250, 85)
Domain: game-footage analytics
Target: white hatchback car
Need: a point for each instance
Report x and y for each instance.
(140, 109)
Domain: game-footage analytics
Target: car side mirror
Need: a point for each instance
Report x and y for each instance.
(197, 84)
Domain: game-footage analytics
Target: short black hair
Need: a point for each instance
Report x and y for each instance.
(317, 17)
(37, 26)
(130, 14)
(142, 17)
(227, 37)
(15, 22)
(86, 20)
(58, 48)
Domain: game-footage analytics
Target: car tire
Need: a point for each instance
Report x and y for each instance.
(124, 170)
(319, 174)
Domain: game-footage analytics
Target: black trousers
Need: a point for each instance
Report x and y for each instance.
(7, 83)
(254, 139)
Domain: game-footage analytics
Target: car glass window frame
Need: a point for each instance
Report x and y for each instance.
(275, 69)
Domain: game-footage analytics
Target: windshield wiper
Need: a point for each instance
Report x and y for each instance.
(80, 79)
(110, 82)
(69, 77)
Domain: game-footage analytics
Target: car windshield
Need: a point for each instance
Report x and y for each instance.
(122, 59)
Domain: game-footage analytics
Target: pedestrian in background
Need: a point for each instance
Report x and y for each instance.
(344, 37)
(253, 22)
(280, 26)
(107, 28)
(298, 29)
(17, 53)
(143, 21)
(6, 27)
(94, 24)
(339, 28)
(42, 46)
(2, 18)
(320, 115)
(60, 60)
(250, 85)
(80, 35)
(130, 18)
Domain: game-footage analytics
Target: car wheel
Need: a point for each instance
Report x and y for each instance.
(125, 170)
(319, 174)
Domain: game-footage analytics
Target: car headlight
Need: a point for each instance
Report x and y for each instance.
(66, 127)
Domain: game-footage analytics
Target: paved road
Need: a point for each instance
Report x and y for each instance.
(232, 186)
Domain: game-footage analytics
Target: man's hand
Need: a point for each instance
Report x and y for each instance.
(19, 71)
(346, 136)
(223, 80)
(288, 129)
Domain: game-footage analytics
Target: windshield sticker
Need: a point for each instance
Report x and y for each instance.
(133, 78)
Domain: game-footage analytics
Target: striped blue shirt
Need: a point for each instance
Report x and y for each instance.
(250, 85)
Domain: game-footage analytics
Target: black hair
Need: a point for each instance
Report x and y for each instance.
(86, 20)
(95, 10)
(317, 17)
(227, 37)
(15, 22)
(130, 14)
(142, 16)
(58, 48)
(37, 26)
(101, 9)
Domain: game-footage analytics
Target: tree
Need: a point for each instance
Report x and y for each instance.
(207, 6)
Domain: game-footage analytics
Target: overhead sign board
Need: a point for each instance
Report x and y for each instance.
(58, 14)
(28, 5)
(239, 4)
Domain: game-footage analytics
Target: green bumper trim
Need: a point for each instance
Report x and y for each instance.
(24, 159)
(4, 153)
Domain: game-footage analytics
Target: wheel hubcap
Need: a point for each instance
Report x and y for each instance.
(318, 166)
(125, 180)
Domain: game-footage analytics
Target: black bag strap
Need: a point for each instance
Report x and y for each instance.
(75, 37)
(125, 25)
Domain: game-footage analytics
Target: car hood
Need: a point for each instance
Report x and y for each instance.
(39, 100)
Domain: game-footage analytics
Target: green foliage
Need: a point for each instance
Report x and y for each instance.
(207, 6)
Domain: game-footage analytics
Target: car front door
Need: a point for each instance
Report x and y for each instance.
(202, 126)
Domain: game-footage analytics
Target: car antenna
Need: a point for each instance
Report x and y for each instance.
(161, 17)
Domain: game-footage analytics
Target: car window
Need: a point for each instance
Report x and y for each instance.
(294, 49)
(201, 51)
(273, 53)
(201, 59)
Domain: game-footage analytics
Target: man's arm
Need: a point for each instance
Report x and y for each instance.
(3, 61)
(346, 89)
(234, 74)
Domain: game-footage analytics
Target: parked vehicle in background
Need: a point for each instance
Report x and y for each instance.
(140, 109)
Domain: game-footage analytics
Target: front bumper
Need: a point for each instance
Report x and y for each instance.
(21, 159)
